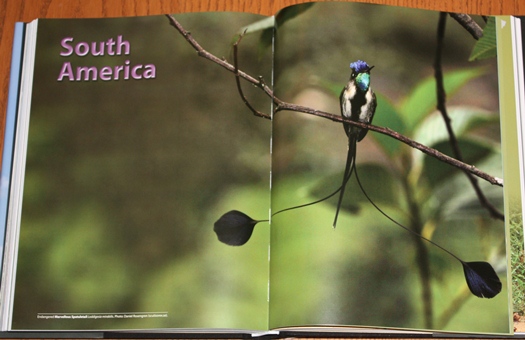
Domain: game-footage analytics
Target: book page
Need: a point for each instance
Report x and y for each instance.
(136, 147)
(510, 38)
(369, 270)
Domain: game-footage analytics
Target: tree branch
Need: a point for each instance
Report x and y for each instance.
(238, 81)
(284, 106)
(441, 106)
(470, 25)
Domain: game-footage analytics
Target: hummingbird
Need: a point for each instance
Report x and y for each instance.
(358, 103)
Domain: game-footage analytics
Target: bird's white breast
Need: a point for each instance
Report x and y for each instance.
(346, 103)
(364, 114)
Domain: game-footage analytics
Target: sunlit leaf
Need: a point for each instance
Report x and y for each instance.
(422, 100)
(463, 120)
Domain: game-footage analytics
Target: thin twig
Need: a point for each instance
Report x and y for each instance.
(441, 106)
(284, 106)
(238, 80)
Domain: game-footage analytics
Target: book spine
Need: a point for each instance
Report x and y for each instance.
(8, 145)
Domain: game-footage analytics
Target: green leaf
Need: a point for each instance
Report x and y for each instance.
(422, 100)
(465, 205)
(265, 26)
(436, 171)
(433, 133)
(387, 116)
(486, 46)
(257, 26)
(463, 120)
(456, 195)
(291, 12)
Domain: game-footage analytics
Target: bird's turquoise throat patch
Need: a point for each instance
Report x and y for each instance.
(363, 81)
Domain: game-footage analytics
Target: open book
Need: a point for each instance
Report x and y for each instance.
(139, 178)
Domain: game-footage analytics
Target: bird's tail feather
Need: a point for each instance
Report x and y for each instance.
(352, 146)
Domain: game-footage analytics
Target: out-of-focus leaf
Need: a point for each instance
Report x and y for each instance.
(435, 171)
(377, 180)
(291, 12)
(457, 197)
(422, 100)
(265, 26)
(485, 47)
(257, 26)
(265, 41)
(387, 116)
(462, 118)
(432, 131)
(465, 205)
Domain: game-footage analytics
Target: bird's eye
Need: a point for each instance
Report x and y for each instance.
(354, 74)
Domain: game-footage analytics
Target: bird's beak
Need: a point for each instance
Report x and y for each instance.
(370, 68)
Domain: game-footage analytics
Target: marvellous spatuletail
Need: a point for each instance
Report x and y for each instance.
(358, 103)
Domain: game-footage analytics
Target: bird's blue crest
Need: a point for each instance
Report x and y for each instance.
(359, 66)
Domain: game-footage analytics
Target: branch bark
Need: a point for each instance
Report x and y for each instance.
(284, 106)
(238, 81)
(442, 107)
(470, 25)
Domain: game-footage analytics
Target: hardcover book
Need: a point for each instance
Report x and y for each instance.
(338, 167)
